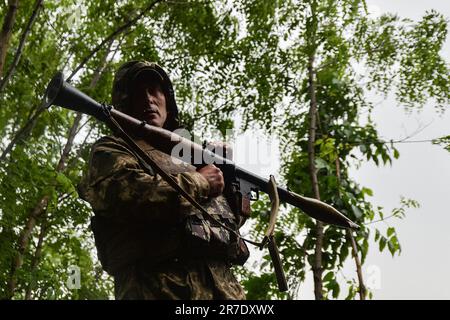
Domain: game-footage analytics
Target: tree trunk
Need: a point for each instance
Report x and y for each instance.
(23, 132)
(113, 35)
(29, 125)
(11, 69)
(5, 34)
(36, 258)
(317, 265)
(24, 238)
(40, 209)
(362, 287)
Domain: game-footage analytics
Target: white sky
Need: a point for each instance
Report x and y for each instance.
(422, 173)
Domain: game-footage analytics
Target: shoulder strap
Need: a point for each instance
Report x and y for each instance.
(150, 164)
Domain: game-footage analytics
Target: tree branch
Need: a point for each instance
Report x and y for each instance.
(362, 287)
(317, 265)
(22, 243)
(5, 34)
(222, 106)
(111, 36)
(381, 220)
(36, 258)
(18, 54)
(29, 125)
(41, 207)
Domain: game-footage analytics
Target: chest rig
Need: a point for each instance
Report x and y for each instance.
(203, 236)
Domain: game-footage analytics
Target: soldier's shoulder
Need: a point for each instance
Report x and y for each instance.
(109, 140)
(109, 143)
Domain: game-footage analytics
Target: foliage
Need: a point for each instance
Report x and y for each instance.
(229, 60)
(444, 141)
(354, 55)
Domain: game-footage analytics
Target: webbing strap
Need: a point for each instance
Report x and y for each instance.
(168, 178)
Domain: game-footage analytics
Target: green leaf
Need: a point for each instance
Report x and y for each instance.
(390, 231)
(377, 234)
(357, 212)
(363, 148)
(336, 289)
(65, 182)
(396, 154)
(382, 243)
(226, 69)
(321, 164)
(367, 191)
(392, 248)
(328, 277)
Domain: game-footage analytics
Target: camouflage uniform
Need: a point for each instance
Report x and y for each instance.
(154, 243)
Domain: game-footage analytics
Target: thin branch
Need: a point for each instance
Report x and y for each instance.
(65, 196)
(41, 207)
(18, 54)
(89, 119)
(111, 36)
(6, 32)
(335, 59)
(84, 141)
(60, 36)
(317, 267)
(219, 108)
(188, 2)
(29, 125)
(362, 287)
(381, 220)
(365, 142)
(36, 258)
(204, 53)
(24, 131)
(22, 243)
(409, 141)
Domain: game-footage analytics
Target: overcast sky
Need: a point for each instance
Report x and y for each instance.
(422, 173)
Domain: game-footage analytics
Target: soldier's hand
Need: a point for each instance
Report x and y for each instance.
(221, 148)
(215, 179)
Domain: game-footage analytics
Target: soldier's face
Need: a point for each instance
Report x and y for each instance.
(148, 101)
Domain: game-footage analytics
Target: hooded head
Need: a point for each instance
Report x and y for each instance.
(129, 77)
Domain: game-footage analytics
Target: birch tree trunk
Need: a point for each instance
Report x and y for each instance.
(317, 265)
(5, 34)
(23, 38)
(40, 209)
(26, 129)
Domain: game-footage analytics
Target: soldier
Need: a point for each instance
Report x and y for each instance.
(148, 237)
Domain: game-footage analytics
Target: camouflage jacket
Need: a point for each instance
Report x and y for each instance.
(140, 217)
